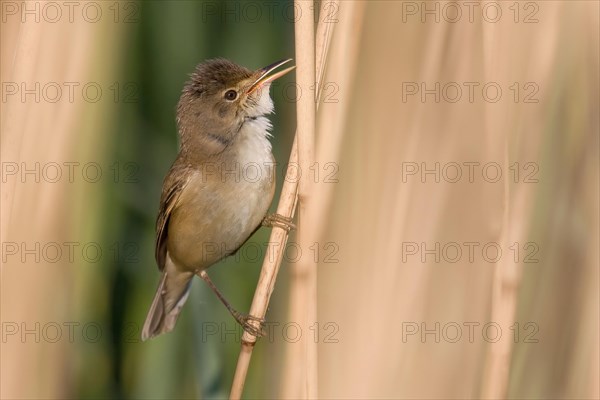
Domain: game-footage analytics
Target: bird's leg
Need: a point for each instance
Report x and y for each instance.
(278, 220)
(250, 323)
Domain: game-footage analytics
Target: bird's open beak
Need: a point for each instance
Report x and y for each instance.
(264, 76)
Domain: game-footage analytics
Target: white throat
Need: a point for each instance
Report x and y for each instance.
(253, 139)
(255, 133)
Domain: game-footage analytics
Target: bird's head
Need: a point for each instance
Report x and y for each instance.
(220, 97)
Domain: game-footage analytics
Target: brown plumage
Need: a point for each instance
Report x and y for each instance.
(207, 211)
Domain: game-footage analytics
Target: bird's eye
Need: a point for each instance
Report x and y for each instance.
(231, 95)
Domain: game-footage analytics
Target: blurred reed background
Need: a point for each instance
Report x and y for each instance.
(71, 316)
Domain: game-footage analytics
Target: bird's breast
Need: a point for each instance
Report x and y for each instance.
(223, 203)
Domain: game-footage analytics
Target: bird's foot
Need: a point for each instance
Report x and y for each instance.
(251, 324)
(279, 221)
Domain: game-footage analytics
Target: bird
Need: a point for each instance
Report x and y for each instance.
(209, 207)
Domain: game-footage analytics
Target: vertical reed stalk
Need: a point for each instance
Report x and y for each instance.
(305, 272)
(286, 207)
(507, 275)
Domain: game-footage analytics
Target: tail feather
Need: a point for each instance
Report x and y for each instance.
(172, 293)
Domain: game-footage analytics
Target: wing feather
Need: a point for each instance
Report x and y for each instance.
(173, 186)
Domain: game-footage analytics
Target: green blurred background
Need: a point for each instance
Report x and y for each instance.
(158, 54)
